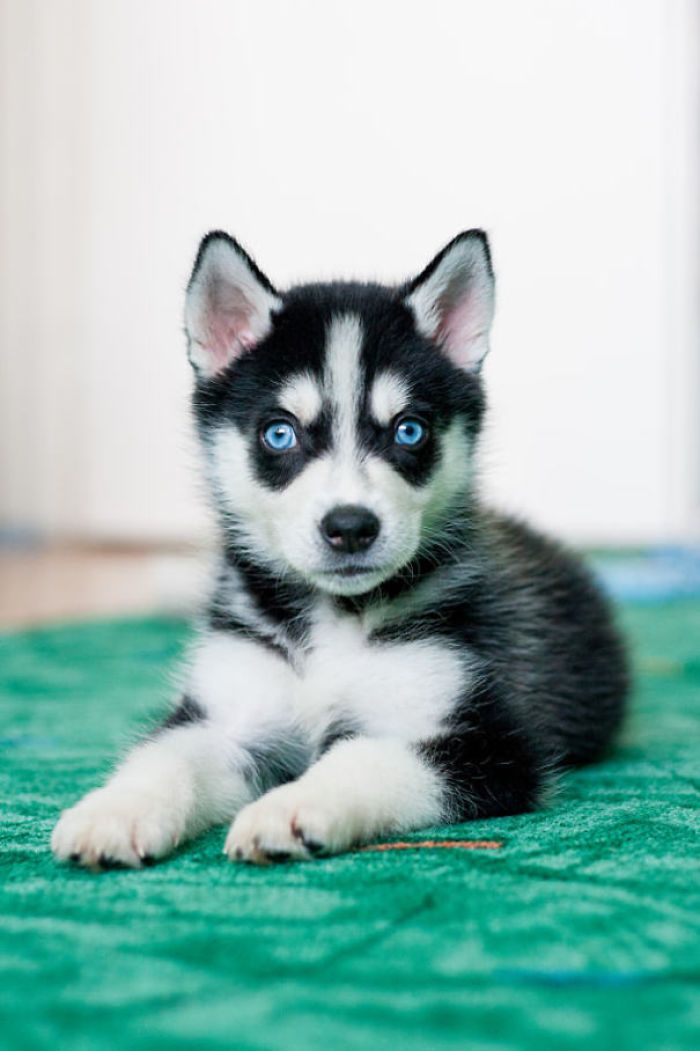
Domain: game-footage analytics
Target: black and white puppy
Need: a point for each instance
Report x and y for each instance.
(380, 653)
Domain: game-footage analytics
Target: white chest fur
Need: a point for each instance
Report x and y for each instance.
(343, 679)
(402, 689)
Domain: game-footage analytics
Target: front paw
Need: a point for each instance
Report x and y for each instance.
(114, 826)
(289, 823)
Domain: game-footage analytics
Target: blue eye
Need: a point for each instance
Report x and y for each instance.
(409, 432)
(279, 436)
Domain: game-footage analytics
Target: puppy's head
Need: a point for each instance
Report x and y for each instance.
(338, 420)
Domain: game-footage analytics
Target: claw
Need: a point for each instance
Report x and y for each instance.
(278, 856)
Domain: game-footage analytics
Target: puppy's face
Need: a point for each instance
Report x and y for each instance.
(338, 420)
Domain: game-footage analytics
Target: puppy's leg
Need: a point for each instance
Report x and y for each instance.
(362, 788)
(167, 790)
(231, 738)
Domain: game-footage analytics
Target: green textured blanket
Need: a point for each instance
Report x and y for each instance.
(581, 930)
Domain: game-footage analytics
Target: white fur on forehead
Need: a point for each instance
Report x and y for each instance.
(390, 394)
(342, 378)
(302, 397)
(228, 308)
(453, 305)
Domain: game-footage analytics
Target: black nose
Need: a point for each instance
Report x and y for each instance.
(350, 528)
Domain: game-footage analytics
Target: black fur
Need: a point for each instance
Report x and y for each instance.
(489, 761)
(274, 762)
(188, 711)
(340, 730)
(532, 613)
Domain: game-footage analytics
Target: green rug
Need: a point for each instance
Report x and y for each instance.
(581, 931)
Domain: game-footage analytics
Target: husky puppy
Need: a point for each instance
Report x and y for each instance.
(380, 652)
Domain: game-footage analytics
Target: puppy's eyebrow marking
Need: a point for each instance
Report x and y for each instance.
(389, 396)
(301, 397)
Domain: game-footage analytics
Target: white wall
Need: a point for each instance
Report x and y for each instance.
(342, 139)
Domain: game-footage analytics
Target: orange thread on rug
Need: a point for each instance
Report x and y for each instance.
(447, 844)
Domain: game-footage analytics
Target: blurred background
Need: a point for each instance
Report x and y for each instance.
(339, 139)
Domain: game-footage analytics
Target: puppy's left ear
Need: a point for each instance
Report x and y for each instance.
(229, 304)
(453, 299)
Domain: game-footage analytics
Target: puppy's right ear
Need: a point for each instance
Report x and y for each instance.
(229, 304)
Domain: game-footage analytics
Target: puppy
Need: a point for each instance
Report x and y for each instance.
(380, 652)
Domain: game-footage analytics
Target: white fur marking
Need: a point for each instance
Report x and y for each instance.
(243, 685)
(389, 396)
(342, 381)
(302, 398)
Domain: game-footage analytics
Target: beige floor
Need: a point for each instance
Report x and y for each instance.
(73, 582)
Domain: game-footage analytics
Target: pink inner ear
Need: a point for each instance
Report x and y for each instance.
(462, 328)
(456, 327)
(228, 334)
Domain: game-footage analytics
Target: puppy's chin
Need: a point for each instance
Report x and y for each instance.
(358, 583)
(357, 580)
